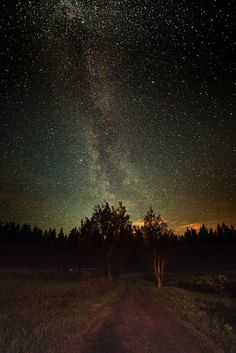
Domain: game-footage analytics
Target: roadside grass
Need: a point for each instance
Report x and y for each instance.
(36, 315)
(210, 282)
(212, 315)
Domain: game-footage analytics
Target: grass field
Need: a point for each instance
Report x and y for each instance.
(213, 315)
(40, 309)
(37, 314)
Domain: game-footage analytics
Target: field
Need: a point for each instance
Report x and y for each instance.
(40, 310)
(37, 312)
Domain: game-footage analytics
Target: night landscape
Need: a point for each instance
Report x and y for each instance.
(117, 177)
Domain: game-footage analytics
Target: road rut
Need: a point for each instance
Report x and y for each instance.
(136, 323)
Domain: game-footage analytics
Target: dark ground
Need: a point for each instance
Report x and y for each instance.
(136, 323)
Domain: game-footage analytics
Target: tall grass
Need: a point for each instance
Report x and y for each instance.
(36, 315)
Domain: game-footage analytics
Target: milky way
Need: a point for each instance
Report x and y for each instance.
(121, 101)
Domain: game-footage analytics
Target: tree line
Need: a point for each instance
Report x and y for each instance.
(110, 243)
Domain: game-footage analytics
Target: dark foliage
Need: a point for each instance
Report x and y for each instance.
(108, 242)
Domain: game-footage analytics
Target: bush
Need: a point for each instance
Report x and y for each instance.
(217, 284)
(212, 284)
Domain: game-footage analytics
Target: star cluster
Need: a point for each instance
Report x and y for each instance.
(117, 100)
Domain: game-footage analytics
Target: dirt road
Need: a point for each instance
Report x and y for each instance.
(138, 324)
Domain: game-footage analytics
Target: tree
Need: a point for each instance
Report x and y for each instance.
(61, 238)
(73, 238)
(37, 235)
(188, 235)
(26, 233)
(49, 237)
(203, 233)
(112, 224)
(157, 238)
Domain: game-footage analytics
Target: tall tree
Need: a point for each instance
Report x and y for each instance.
(157, 238)
(112, 223)
(61, 238)
(73, 238)
(203, 233)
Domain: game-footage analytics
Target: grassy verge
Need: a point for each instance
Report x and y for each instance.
(37, 314)
(208, 282)
(213, 315)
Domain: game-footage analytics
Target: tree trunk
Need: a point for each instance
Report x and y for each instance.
(159, 266)
(109, 274)
(159, 273)
(157, 269)
(162, 271)
(109, 263)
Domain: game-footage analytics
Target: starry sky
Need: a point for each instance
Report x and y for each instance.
(129, 101)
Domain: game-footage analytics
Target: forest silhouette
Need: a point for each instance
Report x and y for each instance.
(108, 243)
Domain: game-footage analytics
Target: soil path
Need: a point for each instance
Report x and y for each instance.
(138, 324)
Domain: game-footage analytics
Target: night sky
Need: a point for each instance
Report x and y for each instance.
(129, 101)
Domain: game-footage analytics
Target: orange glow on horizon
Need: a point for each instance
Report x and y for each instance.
(195, 226)
(138, 223)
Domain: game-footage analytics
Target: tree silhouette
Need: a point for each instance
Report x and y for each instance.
(108, 242)
(61, 238)
(111, 223)
(157, 234)
(203, 233)
(73, 238)
(49, 237)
